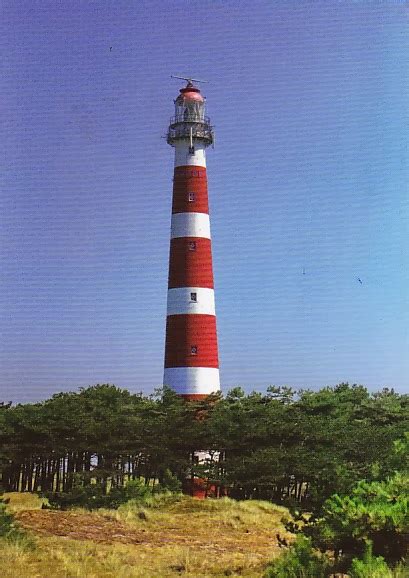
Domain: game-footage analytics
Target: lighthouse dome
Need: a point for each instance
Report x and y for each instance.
(190, 93)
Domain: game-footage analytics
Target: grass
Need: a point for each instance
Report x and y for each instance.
(180, 537)
(23, 501)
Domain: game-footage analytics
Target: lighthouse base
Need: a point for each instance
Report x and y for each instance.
(204, 484)
(201, 489)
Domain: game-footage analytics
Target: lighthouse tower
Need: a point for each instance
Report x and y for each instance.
(191, 355)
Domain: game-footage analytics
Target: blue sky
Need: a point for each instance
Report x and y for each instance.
(308, 190)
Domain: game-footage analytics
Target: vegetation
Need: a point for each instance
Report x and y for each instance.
(367, 530)
(375, 513)
(284, 446)
(185, 537)
(300, 561)
(94, 496)
(375, 567)
(6, 521)
(339, 454)
(10, 532)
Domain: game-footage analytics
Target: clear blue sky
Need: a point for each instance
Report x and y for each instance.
(308, 188)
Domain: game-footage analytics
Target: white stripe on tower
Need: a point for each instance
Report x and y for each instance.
(191, 354)
(193, 380)
(190, 225)
(185, 300)
(183, 158)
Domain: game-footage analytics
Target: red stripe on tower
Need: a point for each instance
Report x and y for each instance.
(190, 180)
(191, 353)
(190, 263)
(184, 330)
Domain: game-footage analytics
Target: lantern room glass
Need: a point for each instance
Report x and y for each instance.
(187, 110)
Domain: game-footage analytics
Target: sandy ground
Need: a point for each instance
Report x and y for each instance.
(106, 530)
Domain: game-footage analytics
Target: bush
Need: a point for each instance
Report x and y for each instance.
(375, 512)
(375, 567)
(136, 490)
(156, 500)
(170, 483)
(10, 531)
(94, 496)
(372, 566)
(300, 561)
(6, 521)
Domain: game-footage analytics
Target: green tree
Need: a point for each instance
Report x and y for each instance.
(375, 513)
(300, 561)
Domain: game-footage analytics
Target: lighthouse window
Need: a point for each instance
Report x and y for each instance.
(191, 197)
(193, 349)
(193, 297)
(192, 245)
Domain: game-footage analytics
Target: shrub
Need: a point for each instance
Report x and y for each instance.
(136, 490)
(156, 500)
(10, 531)
(372, 566)
(170, 483)
(375, 567)
(91, 497)
(94, 496)
(375, 512)
(6, 521)
(299, 561)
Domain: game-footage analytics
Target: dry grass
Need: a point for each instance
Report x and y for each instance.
(190, 538)
(24, 501)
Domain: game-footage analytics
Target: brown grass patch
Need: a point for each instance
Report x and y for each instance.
(188, 538)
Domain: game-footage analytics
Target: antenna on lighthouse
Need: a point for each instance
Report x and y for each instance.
(188, 80)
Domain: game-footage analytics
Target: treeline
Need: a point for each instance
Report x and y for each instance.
(283, 445)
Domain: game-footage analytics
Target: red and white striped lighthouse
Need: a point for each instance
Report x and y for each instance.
(191, 354)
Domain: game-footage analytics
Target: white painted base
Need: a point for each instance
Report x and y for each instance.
(180, 302)
(192, 380)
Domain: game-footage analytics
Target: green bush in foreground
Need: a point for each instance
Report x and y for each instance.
(370, 565)
(375, 512)
(6, 521)
(375, 567)
(367, 531)
(300, 561)
(9, 531)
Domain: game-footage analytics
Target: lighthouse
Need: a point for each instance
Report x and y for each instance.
(191, 352)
